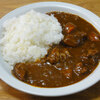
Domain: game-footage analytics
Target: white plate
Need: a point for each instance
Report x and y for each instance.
(5, 69)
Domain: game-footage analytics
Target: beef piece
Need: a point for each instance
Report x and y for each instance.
(92, 52)
(90, 56)
(74, 39)
(67, 73)
(69, 27)
(19, 71)
(94, 36)
(58, 55)
(80, 69)
(53, 56)
(70, 40)
(64, 54)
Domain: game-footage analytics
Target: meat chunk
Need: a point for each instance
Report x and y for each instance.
(19, 71)
(70, 40)
(64, 54)
(58, 55)
(92, 52)
(67, 73)
(74, 39)
(94, 37)
(69, 27)
(53, 56)
(90, 57)
(80, 69)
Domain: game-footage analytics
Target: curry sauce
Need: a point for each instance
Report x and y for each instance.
(68, 62)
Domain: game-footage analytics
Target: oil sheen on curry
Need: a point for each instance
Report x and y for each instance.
(68, 62)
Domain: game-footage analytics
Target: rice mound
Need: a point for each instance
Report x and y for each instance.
(29, 36)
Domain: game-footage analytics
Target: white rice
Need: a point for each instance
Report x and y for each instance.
(28, 37)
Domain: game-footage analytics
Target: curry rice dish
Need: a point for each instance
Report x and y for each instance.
(70, 61)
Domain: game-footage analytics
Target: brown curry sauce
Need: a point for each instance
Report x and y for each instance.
(68, 62)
